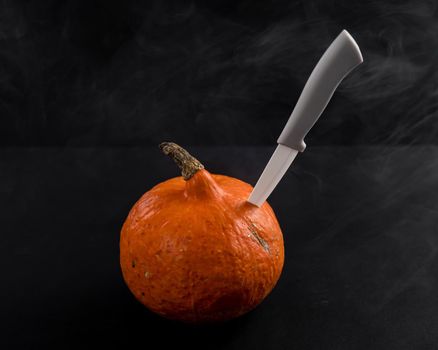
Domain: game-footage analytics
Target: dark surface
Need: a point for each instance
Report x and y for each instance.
(360, 228)
(132, 72)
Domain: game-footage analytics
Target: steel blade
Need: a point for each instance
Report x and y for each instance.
(280, 161)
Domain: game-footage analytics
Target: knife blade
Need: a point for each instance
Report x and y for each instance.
(340, 58)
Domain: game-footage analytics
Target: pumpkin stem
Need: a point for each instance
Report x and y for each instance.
(188, 164)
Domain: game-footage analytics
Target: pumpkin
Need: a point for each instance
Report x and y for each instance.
(193, 249)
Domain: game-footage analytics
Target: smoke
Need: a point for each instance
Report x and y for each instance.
(371, 227)
(95, 74)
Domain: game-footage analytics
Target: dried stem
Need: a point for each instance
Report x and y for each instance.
(188, 164)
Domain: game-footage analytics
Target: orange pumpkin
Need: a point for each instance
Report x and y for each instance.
(193, 249)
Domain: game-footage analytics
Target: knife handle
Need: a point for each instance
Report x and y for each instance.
(337, 61)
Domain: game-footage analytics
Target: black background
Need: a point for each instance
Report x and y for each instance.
(103, 73)
(89, 88)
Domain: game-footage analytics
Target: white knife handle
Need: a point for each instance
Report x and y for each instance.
(337, 61)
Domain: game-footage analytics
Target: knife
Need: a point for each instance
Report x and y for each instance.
(341, 57)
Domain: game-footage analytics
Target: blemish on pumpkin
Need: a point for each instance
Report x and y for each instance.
(259, 239)
(133, 263)
(146, 274)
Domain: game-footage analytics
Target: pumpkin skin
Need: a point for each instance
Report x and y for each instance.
(197, 251)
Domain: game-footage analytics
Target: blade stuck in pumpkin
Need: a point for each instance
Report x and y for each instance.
(342, 56)
(280, 161)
